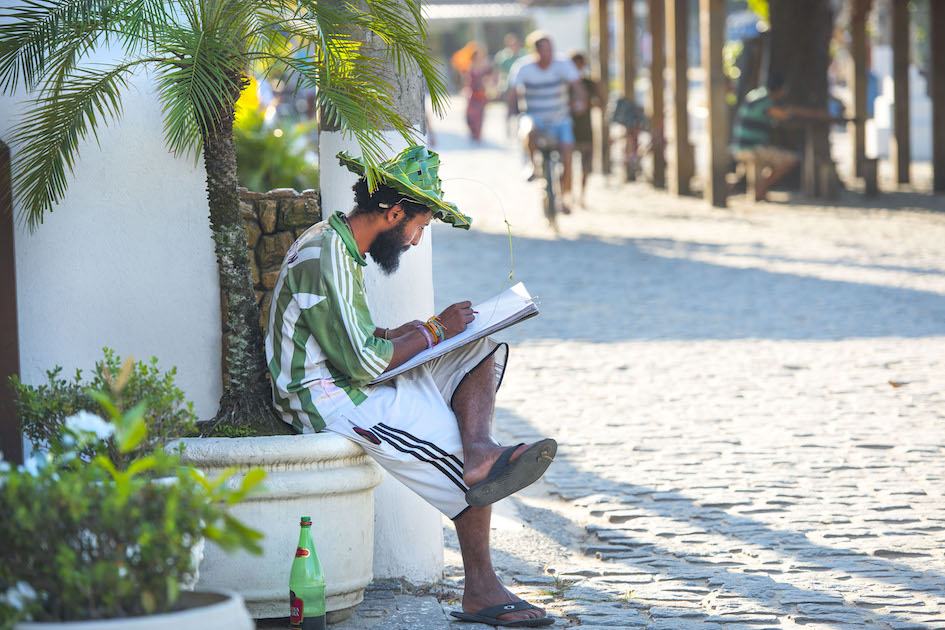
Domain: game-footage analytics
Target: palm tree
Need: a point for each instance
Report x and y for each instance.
(199, 53)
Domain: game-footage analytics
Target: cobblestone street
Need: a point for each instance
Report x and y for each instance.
(749, 402)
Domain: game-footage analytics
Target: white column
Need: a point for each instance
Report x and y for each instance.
(408, 532)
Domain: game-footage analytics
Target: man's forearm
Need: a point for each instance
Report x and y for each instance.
(407, 347)
(808, 112)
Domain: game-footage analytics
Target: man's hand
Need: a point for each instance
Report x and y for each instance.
(456, 317)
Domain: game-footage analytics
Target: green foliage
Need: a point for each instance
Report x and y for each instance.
(268, 158)
(198, 54)
(86, 540)
(731, 50)
(241, 431)
(42, 410)
(761, 9)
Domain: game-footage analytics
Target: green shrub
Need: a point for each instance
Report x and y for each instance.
(41, 410)
(268, 158)
(84, 540)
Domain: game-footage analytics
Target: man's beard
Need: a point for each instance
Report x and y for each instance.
(388, 246)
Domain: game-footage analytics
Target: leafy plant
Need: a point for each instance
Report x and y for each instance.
(86, 540)
(198, 54)
(273, 157)
(42, 410)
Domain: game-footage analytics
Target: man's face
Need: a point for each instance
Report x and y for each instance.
(543, 49)
(389, 246)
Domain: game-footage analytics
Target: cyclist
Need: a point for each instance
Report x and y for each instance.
(542, 81)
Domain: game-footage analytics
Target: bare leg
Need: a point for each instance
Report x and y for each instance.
(773, 178)
(586, 157)
(473, 403)
(531, 148)
(566, 151)
(482, 586)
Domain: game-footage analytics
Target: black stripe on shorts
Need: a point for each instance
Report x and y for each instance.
(430, 444)
(412, 449)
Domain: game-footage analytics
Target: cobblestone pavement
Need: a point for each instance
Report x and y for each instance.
(749, 402)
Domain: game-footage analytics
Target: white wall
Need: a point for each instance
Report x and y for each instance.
(567, 26)
(408, 532)
(126, 261)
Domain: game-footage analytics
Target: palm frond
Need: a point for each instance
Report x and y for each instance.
(49, 134)
(198, 82)
(402, 27)
(32, 32)
(347, 111)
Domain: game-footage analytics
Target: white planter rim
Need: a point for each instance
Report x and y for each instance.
(191, 611)
(271, 449)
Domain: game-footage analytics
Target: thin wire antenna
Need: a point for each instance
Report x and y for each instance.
(508, 228)
(505, 217)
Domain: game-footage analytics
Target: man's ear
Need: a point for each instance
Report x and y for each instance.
(394, 214)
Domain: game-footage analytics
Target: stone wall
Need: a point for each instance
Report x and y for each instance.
(273, 221)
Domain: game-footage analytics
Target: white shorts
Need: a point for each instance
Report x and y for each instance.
(408, 426)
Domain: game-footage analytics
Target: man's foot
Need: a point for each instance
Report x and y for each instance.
(511, 611)
(510, 471)
(530, 173)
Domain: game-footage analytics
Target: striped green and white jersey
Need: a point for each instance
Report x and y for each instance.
(752, 126)
(321, 348)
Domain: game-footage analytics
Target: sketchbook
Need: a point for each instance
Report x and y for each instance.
(509, 307)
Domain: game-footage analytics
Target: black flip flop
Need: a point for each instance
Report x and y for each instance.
(507, 477)
(490, 616)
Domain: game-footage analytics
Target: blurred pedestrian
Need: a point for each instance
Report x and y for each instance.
(504, 60)
(581, 119)
(473, 65)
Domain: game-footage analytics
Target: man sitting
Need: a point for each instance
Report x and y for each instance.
(751, 134)
(430, 426)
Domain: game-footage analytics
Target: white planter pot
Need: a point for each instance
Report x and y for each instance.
(203, 610)
(325, 476)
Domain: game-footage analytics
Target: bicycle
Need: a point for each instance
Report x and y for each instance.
(551, 166)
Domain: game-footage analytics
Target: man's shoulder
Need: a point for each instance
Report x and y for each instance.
(759, 94)
(565, 68)
(523, 64)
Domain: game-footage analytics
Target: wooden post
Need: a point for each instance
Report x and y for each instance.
(677, 32)
(626, 47)
(859, 10)
(712, 36)
(937, 73)
(901, 148)
(11, 443)
(600, 70)
(657, 37)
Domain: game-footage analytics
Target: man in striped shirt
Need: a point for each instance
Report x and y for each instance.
(430, 427)
(542, 82)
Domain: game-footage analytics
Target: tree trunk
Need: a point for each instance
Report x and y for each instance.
(246, 405)
(800, 51)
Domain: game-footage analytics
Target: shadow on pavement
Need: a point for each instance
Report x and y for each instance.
(611, 289)
(730, 588)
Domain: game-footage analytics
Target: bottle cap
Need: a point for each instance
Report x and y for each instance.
(306, 520)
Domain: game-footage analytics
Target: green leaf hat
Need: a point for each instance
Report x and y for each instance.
(413, 173)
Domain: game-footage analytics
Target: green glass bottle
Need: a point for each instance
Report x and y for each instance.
(306, 584)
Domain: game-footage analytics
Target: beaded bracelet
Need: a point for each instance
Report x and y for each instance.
(433, 332)
(426, 336)
(437, 327)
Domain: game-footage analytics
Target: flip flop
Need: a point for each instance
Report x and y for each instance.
(507, 477)
(490, 616)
